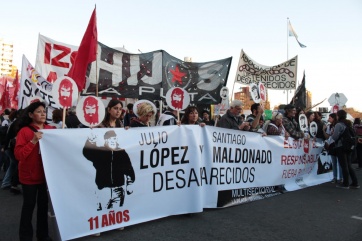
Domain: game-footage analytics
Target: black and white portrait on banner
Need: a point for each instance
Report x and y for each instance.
(114, 171)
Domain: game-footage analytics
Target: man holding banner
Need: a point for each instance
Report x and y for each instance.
(290, 124)
(232, 118)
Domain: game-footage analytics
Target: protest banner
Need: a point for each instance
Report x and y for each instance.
(123, 177)
(278, 77)
(143, 76)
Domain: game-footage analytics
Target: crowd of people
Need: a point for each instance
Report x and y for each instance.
(20, 132)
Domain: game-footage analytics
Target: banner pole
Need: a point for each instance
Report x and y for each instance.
(97, 72)
(287, 51)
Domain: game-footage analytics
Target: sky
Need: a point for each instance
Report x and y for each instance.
(209, 30)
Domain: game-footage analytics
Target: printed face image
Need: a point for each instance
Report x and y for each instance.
(64, 91)
(302, 122)
(90, 109)
(112, 142)
(313, 129)
(176, 97)
(256, 94)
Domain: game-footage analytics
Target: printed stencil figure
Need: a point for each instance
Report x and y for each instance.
(177, 98)
(313, 128)
(224, 93)
(255, 91)
(90, 110)
(303, 122)
(113, 167)
(65, 93)
(262, 92)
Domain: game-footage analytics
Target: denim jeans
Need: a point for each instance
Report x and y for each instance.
(337, 170)
(13, 168)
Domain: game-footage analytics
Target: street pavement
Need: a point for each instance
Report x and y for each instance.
(318, 213)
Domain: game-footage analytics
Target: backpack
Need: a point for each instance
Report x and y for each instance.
(3, 131)
(348, 139)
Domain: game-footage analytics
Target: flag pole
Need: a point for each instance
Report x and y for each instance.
(287, 39)
(287, 51)
(95, 7)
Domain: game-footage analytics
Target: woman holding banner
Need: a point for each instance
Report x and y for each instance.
(31, 172)
(113, 115)
(191, 117)
(145, 112)
(275, 125)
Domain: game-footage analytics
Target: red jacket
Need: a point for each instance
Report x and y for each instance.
(30, 167)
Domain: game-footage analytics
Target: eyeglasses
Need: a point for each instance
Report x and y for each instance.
(238, 108)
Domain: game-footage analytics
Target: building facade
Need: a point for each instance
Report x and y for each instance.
(6, 57)
(245, 97)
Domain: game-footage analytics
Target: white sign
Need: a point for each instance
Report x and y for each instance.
(254, 92)
(177, 98)
(65, 92)
(303, 122)
(313, 128)
(262, 91)
(90, 111)
(278, 77)
(337, 99)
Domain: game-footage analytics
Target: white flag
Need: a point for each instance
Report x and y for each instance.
(293, 33)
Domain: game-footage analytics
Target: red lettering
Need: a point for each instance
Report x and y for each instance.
(126, 215)
(47, 53)
(56, 61)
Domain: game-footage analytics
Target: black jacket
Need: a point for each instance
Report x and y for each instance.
(111, 165)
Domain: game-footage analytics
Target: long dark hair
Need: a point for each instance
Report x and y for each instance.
(111, 104)
(25, 119)
(357, 121)
(334, 117)
(342, 117)
(185, 118)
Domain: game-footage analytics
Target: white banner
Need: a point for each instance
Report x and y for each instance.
(53, 58)
(161, 171)
(278, 77)
(33, 85)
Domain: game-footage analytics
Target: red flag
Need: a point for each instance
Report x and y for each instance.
(87, 53)
(4, 97)
(16, 87)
